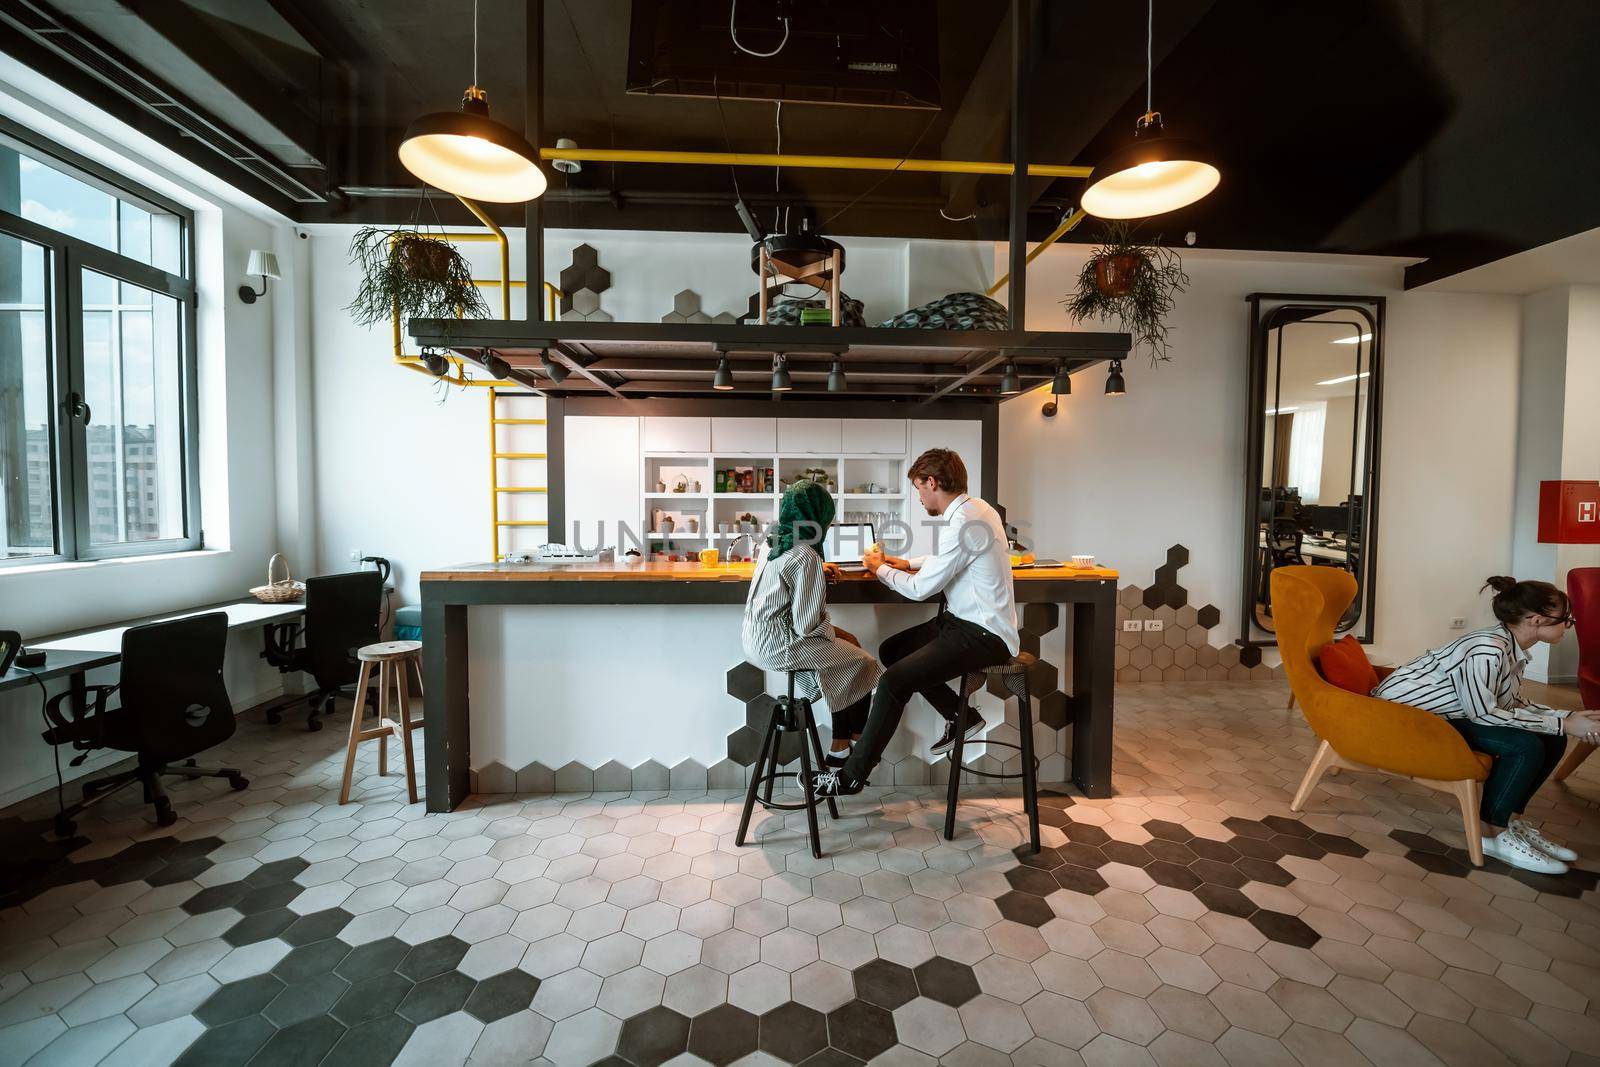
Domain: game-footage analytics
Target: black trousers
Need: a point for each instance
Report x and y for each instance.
(923, 659)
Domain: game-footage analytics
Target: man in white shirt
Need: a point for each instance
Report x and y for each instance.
(971, 566)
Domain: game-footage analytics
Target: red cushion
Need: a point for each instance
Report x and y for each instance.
(1345, 664)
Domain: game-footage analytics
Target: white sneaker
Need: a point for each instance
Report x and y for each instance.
(1509, 847)
(1543, 843)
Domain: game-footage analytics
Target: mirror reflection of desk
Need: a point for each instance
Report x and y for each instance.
(1321, 550)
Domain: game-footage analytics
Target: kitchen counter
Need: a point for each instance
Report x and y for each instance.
(637, 661)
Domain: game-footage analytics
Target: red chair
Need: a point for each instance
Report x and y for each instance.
(1583, 587)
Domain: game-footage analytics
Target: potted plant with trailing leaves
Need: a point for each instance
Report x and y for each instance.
(1132, 282)
(422, 277)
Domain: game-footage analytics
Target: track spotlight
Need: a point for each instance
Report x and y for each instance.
(724, 378)
(781, 382)
(836, 382)
(1009, 382)
(498, 368)
(557, 371)
(1062, 384)
(1115, 386)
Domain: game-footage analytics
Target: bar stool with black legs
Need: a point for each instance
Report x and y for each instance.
(1013, 676)
(790, 715)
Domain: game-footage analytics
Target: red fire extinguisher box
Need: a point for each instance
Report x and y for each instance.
(1569, 513)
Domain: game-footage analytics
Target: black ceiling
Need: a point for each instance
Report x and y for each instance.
(1455, 130)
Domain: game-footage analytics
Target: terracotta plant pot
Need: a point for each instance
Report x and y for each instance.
(1113, 275)
(426, 260)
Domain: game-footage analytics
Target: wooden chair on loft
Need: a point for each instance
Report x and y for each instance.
(798, 257)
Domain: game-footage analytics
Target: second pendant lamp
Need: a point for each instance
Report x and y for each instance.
(468, 154)
(1153, 173)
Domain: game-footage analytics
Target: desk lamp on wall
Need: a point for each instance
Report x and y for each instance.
(262, 263)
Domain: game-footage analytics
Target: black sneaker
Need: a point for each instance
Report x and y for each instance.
(834, 784)
(948, 738)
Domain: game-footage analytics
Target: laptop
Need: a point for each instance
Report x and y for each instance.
(845, 543)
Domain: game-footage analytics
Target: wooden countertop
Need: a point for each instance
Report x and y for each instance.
(690, 572)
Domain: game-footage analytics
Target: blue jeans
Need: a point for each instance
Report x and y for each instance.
(1522, 762)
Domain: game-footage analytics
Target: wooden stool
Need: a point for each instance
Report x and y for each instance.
(392, 658)
(1014, 676)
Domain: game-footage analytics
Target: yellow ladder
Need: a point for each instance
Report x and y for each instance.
(496, 490)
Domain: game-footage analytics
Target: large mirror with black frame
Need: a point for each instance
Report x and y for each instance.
(1311, 486)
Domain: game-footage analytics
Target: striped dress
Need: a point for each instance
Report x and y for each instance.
(786, 628)
(1477, 678)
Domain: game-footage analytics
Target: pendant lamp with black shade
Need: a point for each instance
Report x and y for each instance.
(1152, 173)
(468, 154)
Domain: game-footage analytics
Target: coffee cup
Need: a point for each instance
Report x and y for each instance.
(708, 557)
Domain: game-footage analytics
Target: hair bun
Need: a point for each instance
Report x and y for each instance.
(1500, 583)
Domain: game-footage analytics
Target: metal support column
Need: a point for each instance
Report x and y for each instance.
(1017, 296)
(533, 61)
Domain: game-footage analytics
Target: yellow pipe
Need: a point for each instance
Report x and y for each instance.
(1055, 235)
(769, 159)
(494, 478)
(505, 253)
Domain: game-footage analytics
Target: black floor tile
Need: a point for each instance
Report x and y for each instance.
(214, 898)
(1227, 901)
(318, 926)
(1081, 855)
(889, 984)
(275, 873)
(1126, 852)
(372, 1044)
(259, 927)
(1170, 851)
(1218, 873)
(305, 998)
(436, 996)
(861, 1030)
(433, 957)
(239, 999)
(1288, 929)
(1025, 908)
(1087, 834)
(723, 1034)
(228, 1045)
(947, 981)
(268, 897)
(1079, 879)
(371, 998)
(500, 995)
(1303, 847)
(303, 1043)
(1263, 871)
(372, 959)
(1172, 875)
(1167, 831)
(1247, 828)
(1033, 880)
(1220, 851)
(653, 1037)
(793, 1032)
(308, 960)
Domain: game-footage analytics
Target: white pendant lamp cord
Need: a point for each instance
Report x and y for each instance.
(1149, 54)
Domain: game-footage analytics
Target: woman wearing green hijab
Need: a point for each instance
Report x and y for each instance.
(786, 625)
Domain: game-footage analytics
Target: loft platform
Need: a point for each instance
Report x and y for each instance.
(635, 360)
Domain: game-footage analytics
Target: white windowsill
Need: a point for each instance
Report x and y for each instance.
(63, 567)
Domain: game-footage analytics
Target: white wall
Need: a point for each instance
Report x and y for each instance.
(1125, 478)
(237, 468)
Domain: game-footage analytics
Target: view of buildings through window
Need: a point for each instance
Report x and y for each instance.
(131, 340)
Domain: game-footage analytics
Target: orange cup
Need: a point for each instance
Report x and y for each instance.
(708, 557)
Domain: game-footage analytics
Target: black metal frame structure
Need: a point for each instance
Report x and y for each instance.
(67, 257)
(1371, 310)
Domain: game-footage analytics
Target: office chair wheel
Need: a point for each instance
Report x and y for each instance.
(165, 816)
(238, 782)
(65, 827)
(274, 716)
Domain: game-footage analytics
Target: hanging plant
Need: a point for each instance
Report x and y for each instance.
(1132, 282)
(425, 277)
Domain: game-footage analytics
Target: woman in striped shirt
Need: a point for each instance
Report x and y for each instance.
(786, 625)
(1475, 682)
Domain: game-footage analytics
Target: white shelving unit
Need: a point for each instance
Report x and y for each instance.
(718, 513)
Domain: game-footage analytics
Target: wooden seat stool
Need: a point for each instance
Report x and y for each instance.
(1013, 675)
(392, 659)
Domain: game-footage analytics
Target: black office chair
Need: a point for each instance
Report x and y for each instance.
(342, 616)
(173, 705)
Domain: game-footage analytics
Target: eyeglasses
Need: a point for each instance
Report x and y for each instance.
(1564, 620)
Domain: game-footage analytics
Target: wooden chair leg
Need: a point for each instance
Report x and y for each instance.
(1469, 795)
(355, 730)
(386, 673)
(1290, 706)
(1574, 759)
(1319, 766)
(403, 684)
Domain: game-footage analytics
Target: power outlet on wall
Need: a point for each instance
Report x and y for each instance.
(1458, 623)
(1132, 625)
(1154, 624)
(355, 555)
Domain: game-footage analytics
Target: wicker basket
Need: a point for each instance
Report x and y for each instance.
(283, 591)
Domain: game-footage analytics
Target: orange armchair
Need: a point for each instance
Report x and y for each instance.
(1362, 733)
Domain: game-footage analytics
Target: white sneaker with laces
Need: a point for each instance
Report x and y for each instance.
(1543, 843)
(1509, 847)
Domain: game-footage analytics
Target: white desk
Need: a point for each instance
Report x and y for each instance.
(1311, 551)
(241, 614)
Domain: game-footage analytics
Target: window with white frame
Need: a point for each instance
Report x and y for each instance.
(98, 426)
